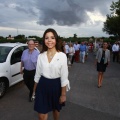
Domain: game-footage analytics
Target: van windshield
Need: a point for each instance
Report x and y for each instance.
(4, 51)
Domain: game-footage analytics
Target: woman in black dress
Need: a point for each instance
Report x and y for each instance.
(102, 61)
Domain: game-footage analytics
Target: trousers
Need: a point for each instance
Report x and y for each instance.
(28, 77)
(82, 56)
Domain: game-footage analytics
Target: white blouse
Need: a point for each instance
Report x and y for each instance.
(71, 50)
(55, 69)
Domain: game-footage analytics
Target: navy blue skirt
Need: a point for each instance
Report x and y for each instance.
(48, 93)
(101, 67)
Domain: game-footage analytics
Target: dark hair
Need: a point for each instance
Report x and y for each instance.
(56, 38)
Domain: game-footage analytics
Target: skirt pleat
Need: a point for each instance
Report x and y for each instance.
(48, 93)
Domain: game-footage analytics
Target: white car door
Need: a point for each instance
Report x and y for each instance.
(15, 65)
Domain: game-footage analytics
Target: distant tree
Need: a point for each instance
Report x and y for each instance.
(112, 23)
(37, 37)
(59, 37)
(75, 36)
(20, 37)
(1, 37)
(93, 37)
(9, 36)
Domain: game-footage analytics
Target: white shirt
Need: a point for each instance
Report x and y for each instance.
(71, 50)
(76, 47)
(55, 69)
(115, 48)
(66, 49)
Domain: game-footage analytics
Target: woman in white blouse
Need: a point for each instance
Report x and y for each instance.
(51, 78)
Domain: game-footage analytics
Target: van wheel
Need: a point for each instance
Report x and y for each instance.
(2, 88)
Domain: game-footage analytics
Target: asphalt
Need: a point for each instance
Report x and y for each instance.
(84, 101)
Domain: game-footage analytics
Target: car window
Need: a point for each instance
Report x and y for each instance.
(4, 51)
(16, 56)
(25, 47)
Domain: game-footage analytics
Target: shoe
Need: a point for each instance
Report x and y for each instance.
(99, 86)
(30, 100)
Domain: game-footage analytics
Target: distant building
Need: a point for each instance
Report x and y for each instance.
(10, 38)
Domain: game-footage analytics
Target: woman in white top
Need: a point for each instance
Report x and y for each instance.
(51, 78)
(71, 53)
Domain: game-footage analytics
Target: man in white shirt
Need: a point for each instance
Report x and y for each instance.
(77, 51)
(115, 50)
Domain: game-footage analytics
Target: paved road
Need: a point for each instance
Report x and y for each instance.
(84, 101)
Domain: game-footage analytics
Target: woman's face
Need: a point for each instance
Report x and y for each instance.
(105, 45)
(50, 40)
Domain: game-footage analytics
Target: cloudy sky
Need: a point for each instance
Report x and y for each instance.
(67, 17)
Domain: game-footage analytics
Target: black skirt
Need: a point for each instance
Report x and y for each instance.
(101, 67)
(48, 93)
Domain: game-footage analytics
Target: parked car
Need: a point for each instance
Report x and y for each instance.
(10, 60)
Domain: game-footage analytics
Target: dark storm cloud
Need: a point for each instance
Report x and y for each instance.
(26, 10)
(61, 17)
(24, 6)
(16, 13)
(69, 12)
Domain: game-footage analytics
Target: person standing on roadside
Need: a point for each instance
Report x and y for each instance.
(86, 53)
(115, 50)
(77, 51)
(82, 52)
(51, 78)
(66, 47)
(29, 61)
(71, 53)
(102, 61)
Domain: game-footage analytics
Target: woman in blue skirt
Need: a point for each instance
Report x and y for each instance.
(51, 78)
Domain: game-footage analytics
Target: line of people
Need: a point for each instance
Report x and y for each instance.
(76, 52)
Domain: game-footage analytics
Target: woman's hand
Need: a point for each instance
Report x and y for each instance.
(33, 96)
(62, 99)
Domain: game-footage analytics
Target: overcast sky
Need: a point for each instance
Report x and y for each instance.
(32, 17)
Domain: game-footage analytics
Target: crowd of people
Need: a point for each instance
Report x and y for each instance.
(81, 50)
(77, 52)
(45, 73)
